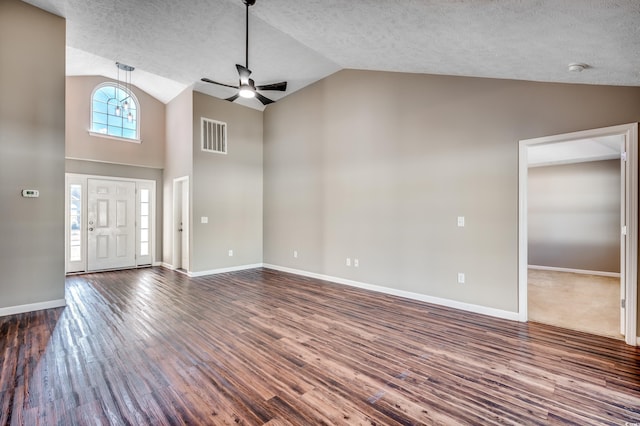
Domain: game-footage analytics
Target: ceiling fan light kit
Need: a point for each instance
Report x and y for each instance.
(247, 92)
(246, 86)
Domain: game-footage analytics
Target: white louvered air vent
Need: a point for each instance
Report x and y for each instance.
(213, 136)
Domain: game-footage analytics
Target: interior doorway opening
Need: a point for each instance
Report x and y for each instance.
(181, 224)
(583, 147)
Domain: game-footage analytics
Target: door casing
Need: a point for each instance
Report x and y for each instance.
(181, 220)
(82, 179)
(629, 246)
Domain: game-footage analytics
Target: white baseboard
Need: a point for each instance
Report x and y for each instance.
(12, 310)
(498, 313)
(167, 265)
(157, 264)
(223, 270)
(575, 271)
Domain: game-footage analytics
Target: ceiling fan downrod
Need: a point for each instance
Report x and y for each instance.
(246, 34)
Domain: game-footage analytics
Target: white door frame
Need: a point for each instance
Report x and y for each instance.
(76, 178)
(176, 260)
(630, 133)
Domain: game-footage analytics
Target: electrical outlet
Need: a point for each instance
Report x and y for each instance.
(204, 219)
(356, 263)
(348, 261)
(230, 252)
(461, 221)
(295, 254)
(460, 277)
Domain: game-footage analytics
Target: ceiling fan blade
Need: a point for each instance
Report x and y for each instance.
(244, 72)
(282, 86)
(208, 80)
(264, 99)
(232, 98)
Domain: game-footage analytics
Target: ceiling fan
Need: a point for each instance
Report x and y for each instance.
(246, 86)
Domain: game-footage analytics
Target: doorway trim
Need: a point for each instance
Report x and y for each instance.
(82, 179)
(630, 133)
(175, 234)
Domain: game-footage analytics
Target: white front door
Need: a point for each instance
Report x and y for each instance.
(111, 238)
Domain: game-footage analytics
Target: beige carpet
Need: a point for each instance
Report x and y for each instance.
(580, 302)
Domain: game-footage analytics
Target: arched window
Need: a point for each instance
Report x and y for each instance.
(115, 112)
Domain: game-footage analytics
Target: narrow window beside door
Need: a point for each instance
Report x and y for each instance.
(75, 222)
(144, 222)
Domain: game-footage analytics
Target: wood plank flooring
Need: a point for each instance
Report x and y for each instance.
(153, 346)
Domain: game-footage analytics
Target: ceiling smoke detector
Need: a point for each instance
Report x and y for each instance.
(578, 67)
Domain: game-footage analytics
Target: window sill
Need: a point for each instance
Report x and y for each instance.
(102, 135)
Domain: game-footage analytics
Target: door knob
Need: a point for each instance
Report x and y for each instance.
(90, 229)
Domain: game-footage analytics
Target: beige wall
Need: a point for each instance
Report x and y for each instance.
(32, 82)
(227, 188)
(81, 145)
(574, 216)
(178, 159)
(377, 166)
(95, 155)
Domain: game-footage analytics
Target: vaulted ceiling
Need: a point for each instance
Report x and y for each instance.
(173, 44)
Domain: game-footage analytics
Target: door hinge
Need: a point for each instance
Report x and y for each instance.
(623, 156)
(624, 230)
(622, 303)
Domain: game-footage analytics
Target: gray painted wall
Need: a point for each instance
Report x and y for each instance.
(178, 160)
(130, 172)
(31, 154)
(227, 188)
(574, 216)
(377, 166)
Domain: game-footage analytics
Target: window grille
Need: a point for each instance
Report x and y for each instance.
(109, 117)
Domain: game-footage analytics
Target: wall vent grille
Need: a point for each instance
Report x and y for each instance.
(213, 136)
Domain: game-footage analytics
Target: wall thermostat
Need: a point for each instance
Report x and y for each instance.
(30, 193)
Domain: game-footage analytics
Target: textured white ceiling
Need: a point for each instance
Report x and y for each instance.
(304, 41)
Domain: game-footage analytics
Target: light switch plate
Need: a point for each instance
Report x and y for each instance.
(461, 221)
(204, 219)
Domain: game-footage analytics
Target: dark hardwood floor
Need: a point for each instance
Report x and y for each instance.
(153, 346)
